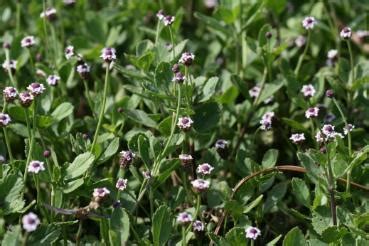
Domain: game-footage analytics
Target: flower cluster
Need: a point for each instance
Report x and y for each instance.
(10, 93)
(126, 158)
(204, 169)
(184, 123)
(4, 120)
(121, 184)
(166, 19)
(266, 120)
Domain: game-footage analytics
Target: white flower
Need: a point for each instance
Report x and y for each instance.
(178, 77)
(187, 58)
(328, 130)
(200, 184)
(69, 52)
(348, 129)
(308, 90)
(252, 232)
(83, 69)
(28, 41)
(197, 225)
(121, 184)
(184, 123)
(312, 112)
(184, 218)
(100, 192)
(49, 13)
(168, 20)
(204, 169)
(126, 158)
(185, 159)
(266, 121)
(53, 80)
(26, 98)
(10, 93)
(221, 144)
(309, 22)
(254, 91)
(36, 167)
(108, 54)
(12, 65)
(346, 33)
(30, 222)
(36, 88)
(332, 54)
(160, 14)
(297, 138)
(4, 120)
(319, 137)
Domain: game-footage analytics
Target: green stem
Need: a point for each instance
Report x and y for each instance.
(301, 58)
(79, 233)
(256, 101)
(33, 68)
(8, 145)
(352, 73)
(28, 125)
(102, 109)
(172, 41)
(331, 188)
(183, 236)
(45, 32)
(18, 13)
(157, 32)
(89, 101)
(24, 243)
(7, 57)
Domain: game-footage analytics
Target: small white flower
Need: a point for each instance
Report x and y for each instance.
(185, 159)
(254, 91)
(168, 20)
(348, 129)
(319, 137)
(204, 169)
(36, 88)
(178, 77)
(184, 123)
(252, 232)
(100, 192)
(211, 3)
(49, 13)
(200, 184)
(83, 69)
(36, 167)
(328, 130)
(121, 184)
(147, 174)
(187, 58)
(309, 22)
(126, 158)
(10, 93)
(332, 54)
(30, 222)
(221, 144)
(28, 41)
(53, 80)
(184, 218)
(308, 90)
(312, 112)
(300, 41)
(160, 14)
(266, 121)
(346, 33)
(198, 226)
(108, 54)
(26, 98)
(12, 65)
(4, 120)
(69, 52)
(297, 138)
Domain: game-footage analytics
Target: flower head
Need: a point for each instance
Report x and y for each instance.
(348, 128)
(308, 90)
(36, 88)
(204, 169)
(26, 98)
(84, 70)
(69, 2)
(252, 232)
(147, 174)
(328, 130)
(30, 222)
(2, 159)
(28, 41)
(185, 159)
(254, 91)
(100, 192)
(221, 146)
(4, 120)
(319, 137)
(168, 20)
(126, 158)
(346, 33)
(49, 13)
(185, 123)
(69, 52)
(108, 54)
(312, 112)
(309, 22)
(53, 80)
(10, 93)
(160, 14)
(121, 184)
(36, 167)
(184, 218)
(266, 120)
(332, 54)
(198, 226)
(200, 185)
(10, 65)
(178, 77)
(297, 138)
(187, 58)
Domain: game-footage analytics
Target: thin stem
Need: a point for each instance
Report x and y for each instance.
(79, 233)
(183, 236)
(102, 109)
(33, 68)
(89, 101)
(45, 32)
(352, 73)
(256, 101)
(18, 13)
(172, 41)
(28, 125)
(24, 243)
(33, 133)
(7, 142)
(7, 57)
(301, 58)
(331, 186)
(157, 32)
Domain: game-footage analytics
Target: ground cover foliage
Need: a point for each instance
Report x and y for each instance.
(226, 122)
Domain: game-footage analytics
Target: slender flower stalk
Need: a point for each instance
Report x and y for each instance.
(12, 79)
(172, 41)
(302, 57)
(33, 136)
(331, 189)
(102, 109)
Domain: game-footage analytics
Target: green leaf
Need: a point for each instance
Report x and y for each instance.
(270, 158)
(294, 237)
(321, 219)
(235, 236)
(11, 194)
(294, 124)
(44, 235)
(140, 117)
(269, 90)
(12, 237)
(62, 111)
(161, 225)
(214, 25)
(144, 149)
(206, 117)
(73, 185)
(79, 166)
(109, 151)
(274, 241)
(253, 204)
(119, 227)
(262, 35)
(209, 88)
(301, 191)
